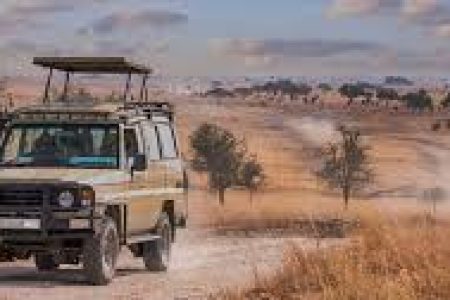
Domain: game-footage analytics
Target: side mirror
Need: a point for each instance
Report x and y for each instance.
(139, 163)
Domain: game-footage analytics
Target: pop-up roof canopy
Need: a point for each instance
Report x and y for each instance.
(112, 65)
(99, 65)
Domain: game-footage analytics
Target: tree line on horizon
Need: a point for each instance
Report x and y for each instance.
(365, 93)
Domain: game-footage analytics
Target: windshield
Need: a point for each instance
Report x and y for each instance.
(81, 146)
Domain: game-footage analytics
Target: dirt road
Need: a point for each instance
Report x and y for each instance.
(201, 264)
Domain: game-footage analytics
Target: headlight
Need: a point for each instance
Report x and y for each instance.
(66, 199)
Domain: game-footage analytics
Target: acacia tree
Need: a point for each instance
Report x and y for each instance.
(387, 94)
(346, 164)
(218, 153)
(418, 101)
(351, 91)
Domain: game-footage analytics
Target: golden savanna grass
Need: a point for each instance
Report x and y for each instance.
(386, 256)
(408, 258)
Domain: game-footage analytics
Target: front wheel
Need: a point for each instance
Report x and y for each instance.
(156, 253)
(100, 254)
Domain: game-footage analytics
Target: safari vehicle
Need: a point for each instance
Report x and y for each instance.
(78, 183)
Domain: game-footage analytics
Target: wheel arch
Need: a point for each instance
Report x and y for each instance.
(169, 208)
(115, 212)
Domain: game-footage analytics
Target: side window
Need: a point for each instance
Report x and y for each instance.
(151, 141)
(167, 139)
(131, 143)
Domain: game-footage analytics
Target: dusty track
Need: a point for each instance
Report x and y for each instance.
(201, 264)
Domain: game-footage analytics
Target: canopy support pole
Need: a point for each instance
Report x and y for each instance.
(146, 94)
(127, 88)
(143, 87)
(66, 86)
(47, 86)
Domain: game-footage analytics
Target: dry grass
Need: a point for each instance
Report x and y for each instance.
(403, 257)
(408, 258)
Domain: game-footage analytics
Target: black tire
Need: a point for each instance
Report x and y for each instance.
(45, 262)
(100, 254)
(156, 254)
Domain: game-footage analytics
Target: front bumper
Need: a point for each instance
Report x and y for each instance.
(36, 224)
(19, 225)
(31, 221)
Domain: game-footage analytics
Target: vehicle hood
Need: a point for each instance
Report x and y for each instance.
(83, 176)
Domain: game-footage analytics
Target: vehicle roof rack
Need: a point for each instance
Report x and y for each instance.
(68, 113)
(156, 105)
(112, 65)
(151, 109)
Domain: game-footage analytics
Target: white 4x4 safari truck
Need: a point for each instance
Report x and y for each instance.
(79, 183)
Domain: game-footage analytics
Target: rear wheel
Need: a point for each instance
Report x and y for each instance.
(45, 262)
(100, 254)
(156, 253)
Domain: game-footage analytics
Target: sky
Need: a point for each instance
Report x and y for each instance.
(234, 37)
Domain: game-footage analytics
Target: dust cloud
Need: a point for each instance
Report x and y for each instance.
(317, 132)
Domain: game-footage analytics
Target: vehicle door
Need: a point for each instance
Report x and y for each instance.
(171, 158)
(143, 210)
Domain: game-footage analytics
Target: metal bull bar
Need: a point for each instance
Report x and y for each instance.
(48, 217)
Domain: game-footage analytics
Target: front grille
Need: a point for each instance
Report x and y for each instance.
(21, 197)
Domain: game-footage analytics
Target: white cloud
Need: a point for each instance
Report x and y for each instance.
(417, 8)
(432, 15)
(135, 20)
(345, 8)
(341, 8)
(442, 31)
(303, 48)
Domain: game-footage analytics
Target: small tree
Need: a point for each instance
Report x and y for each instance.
(325, 87)
(368, 96)
(218, 153)
(446, 102)
(418, 101)
(251, 175)
(346, 164)
(387, 94)
(351, 91)
(303, 89)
